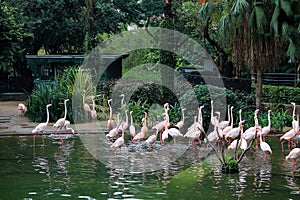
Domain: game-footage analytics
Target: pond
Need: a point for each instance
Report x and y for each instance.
(69, 171)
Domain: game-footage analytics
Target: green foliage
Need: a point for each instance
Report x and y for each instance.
(280, 94)
(55, 92)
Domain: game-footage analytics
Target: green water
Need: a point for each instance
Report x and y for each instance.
(69, 171)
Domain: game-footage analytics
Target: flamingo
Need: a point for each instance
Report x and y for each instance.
(110, 122)
(213, 136)
(131, 127)
(251, 133)
(114, 132)
(119, 142)
(67, 126)
(295, 123)
(288, 136)
(235, 132)
(180, 124)
(22, 108)
(266, 130)
(151, 140)
(212, 118)
(161, 125)
(40, 128)
(224, 124)
(238, 143)
(294, 155)
(93, 111)
(145, 127)
(60, 122)
(86, 107)
(265, 147)
(141, 135)
(124, 124)
(174, 132)
(228, 128)
(194, 133)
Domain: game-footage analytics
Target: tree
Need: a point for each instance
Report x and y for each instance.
(263, 34)
(12, 35)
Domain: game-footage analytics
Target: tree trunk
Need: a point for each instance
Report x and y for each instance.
(258, 87)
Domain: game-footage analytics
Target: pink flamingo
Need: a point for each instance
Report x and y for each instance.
(60, 122)
(119, 142)
(141, 135)
(293, 155)
(193, 133)
(180, 124)
(266, 130)
(265, 147)
(114, 132)
(22, 108)
(131, 127)
(40, 128)
(224, 124)
(110, 122)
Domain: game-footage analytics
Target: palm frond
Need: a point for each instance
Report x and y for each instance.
(291, 52)
(274, 21)
(240, 7)
(286, 7)
(258, 19)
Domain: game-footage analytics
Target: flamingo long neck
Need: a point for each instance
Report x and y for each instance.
(182, 115)
(228, 112)
(212, 112)
(269, 119)
(131, 120)
(65, 109)
(240, 114)
(110, 110)
(256, 119)
(195, 123)
(83, 98)
(93, 103)
(231, 118)
(294, 111)
(47, 109)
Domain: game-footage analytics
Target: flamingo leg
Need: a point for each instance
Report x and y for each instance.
(43, 140)
(294, 163)
(34, 139)
(174, 138)
(282, 148)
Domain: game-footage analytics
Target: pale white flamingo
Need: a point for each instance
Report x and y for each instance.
(131, 127)
(212, 118)
(93, 111)
(235, 132)
(288, 136)
(225, 123)
(265, 147)
(293, 155)
(180, 124)
(67, 126)
(266, 130)
(86, 107)
(60, 122)
(140, 135)
(114, 132)
(151, 140)
(174, 132)
(228, 128)
(145, 127)
(238, 143)
(213, 136)
(119, 142)
(110, 122)
(40, 128)
(251, 133)
(161, 125)
(124, 124)
(295, 123)
(22, 108)
(193, 133)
